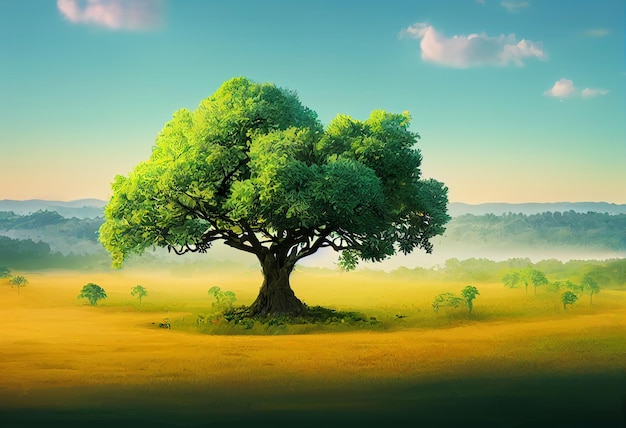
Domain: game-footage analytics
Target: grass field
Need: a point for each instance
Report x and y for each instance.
(521, 361)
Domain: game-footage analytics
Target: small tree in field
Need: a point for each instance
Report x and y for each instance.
(223, 299)
(526, 276)
(469, 293)
(511, 279)
(139, 291)
(446, 299)
(556, 286)
(5, 272)
(537, 279)
(254, 169)
(568, 298)
(93, 293)
(589, 284)
(19, 281)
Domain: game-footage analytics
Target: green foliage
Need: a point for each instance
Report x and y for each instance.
(139, 291)
(589, 285)
(446, 299)
(12, 250)
(549, 229)
(19, 281)
(512, 278)
(27, 254)
(610, 273)
(223, 300)
(568, 298)
(93, 293)
(253, 167)
(556, 286)
(348, 260)
(5, 272)
(469, 293)
(526, 276)
(537, 278)
(36, 220)
(236, 320)
(51, 226)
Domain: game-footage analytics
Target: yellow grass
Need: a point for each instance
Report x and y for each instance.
(50, 340)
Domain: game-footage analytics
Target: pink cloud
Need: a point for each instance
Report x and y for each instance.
(562, 88)
(473, 50)
(113, 14)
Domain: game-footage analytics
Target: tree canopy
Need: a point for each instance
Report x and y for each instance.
(254, 168)
(93, 293)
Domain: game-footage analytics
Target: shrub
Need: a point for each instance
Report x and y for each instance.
(93, 293)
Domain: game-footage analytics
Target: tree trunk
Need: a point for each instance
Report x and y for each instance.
(276, 296)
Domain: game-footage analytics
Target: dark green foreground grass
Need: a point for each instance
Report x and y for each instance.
(576, 401)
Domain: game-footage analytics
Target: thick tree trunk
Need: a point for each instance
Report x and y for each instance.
(276, 296)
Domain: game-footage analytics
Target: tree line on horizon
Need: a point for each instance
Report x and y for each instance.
(548, 229)
(594, 229)
(610, 273)
(56, 241)
(551, 229)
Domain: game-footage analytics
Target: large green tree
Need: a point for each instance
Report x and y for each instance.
(253, 168)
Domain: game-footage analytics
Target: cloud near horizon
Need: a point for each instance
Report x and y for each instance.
(564, 88)
(135, 15)
(474, 50)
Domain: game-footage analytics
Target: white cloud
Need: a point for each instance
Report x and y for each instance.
(590, 92)
(514, 6)
(113, 14)
(564, 88)
(597, 32)
(480, 1)
(472, 50)
(561, 89)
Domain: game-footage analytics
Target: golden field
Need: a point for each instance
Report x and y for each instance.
(64, 361)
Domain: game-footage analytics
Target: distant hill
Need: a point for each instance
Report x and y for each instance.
(583, 231)
(457, 209)
(92, 208)
(81, 208)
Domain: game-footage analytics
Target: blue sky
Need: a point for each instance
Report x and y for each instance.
(515, 101)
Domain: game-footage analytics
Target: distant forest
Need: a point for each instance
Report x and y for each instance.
(46, 239)
(608, 273)
(567, 229)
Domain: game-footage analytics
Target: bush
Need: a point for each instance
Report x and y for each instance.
(238, 318)
(93, 293)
